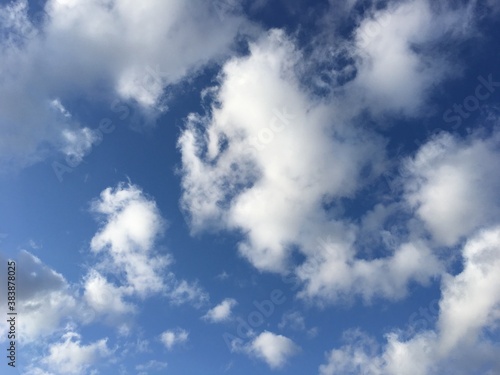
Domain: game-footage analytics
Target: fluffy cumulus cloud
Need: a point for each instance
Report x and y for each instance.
(127, 269)
(334, 273)
(452, 185)
(273, 349)
(45, 298)
(131, 224)
(173, 337)
(396, 60)
(241, 165)
(133, 53)
(70, 356)
(461, 342)
(272, 161)
(221, 312)
(104, 297)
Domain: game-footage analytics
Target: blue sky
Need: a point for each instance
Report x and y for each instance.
(236, 187)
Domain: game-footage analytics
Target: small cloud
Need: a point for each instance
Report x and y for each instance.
(78, 143)
(271, 348)
(221, 312)
(153, 365)
(57, 105)
(32, 244)
(131, 224)
(294, 320)
(313, 332)
(187, 292)
(142, 346)
(173, 337)
(222, 276)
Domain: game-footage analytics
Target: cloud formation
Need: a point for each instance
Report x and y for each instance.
(69, 356)
(239, 164)
(452, 185)
(45, 299)
(221, 312)
(97, 48)
(459, 344)
(131, 224)
(173, 337)
(273, 349)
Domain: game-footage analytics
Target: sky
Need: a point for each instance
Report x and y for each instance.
(237, 187)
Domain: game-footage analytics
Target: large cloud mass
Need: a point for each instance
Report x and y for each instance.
(109, 49)
(276, 162)
(461, 342)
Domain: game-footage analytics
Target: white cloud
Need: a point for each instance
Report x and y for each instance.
(186, 292)
(453, 185)
(83, 48)
(293, 319)
(31, 370)
(173, 337)
(131, 224)
(104, 297)
(334, 273)
(69, 356)
(396, 65)
(250, 178)
(78, 143)
(356, 357)
(273, 349)
(221, 312)
(471, 300)
(469, 309)
(152, 365)
(241, 171)
(44, 298)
